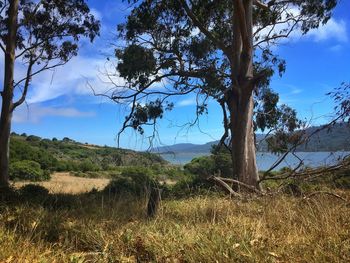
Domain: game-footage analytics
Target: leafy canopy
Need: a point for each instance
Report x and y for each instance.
(48, 32)
(189, 46)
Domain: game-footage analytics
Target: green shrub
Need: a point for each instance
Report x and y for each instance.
(203, 166)
(28, 171)
(121, 185)
(33, 138)
(133, 180)
(88, 165)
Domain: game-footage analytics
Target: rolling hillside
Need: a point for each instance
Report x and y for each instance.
(68, 155)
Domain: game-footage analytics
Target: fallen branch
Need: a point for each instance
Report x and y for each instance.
(225, 186)
(249, 187)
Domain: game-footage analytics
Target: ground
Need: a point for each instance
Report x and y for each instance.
(96, 227)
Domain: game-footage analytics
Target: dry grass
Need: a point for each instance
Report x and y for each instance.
(102, 228)
(64, 183)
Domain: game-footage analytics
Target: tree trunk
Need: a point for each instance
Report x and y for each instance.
(240, 101)
(7, 93)
(243, 144)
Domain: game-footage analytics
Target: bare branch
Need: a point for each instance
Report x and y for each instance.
(225, 186)
(26, 84)
(249, 187)
(261, 5)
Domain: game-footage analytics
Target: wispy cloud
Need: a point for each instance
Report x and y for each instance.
(186, 102)
(296, 91)
(336, 48)
(72, 79)
(35, 112)
(334, 29)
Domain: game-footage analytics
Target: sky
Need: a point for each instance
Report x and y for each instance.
(61, 104)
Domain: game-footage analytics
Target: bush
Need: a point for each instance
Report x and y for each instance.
(88, 165)
(33, 138)
(28, 171)
(203, 166)
(133, 180)
(121, 185)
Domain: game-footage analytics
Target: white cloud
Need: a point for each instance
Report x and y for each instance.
(34, 113)
(334, 29)
(296, 91)
(72, 79)
(186, 102)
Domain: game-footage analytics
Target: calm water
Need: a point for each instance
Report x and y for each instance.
(266, 160)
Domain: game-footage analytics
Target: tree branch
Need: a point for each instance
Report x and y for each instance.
(203, 29)
(261, 5)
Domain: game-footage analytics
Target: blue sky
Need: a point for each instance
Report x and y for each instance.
(60, 104)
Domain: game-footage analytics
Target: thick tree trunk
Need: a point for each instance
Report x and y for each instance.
(7, 93)
(240, 101)
(243, 144)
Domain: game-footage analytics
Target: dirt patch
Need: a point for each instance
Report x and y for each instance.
(68, 184)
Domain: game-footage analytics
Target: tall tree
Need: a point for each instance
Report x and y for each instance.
(216, 49)
(41, 35)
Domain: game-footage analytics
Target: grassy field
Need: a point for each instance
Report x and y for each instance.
(96, 227)
(64, 183)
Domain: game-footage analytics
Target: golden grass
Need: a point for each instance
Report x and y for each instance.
(64, 183)
(203, 229)
(102, 228)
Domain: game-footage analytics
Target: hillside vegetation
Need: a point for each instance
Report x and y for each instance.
(32, 157)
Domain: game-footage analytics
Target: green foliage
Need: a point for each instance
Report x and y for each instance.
(131, 68)
(28, 171)
(33, 138)
(219, 162)
(196, 55)
(67, 155)
(53, 28)
(88, 165)
(202, 167)
(133, 180)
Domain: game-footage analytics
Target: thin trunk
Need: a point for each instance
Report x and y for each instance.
(7, 93)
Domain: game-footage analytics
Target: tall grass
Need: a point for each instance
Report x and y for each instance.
(98, 227)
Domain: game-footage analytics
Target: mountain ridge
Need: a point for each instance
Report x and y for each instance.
(337, 138)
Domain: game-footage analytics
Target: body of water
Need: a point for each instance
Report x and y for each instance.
(266, 160)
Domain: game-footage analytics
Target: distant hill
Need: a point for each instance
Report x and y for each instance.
(335, 139)
(68, 155)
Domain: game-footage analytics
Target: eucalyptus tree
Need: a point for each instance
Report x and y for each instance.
(42, 35)
(220, 50)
